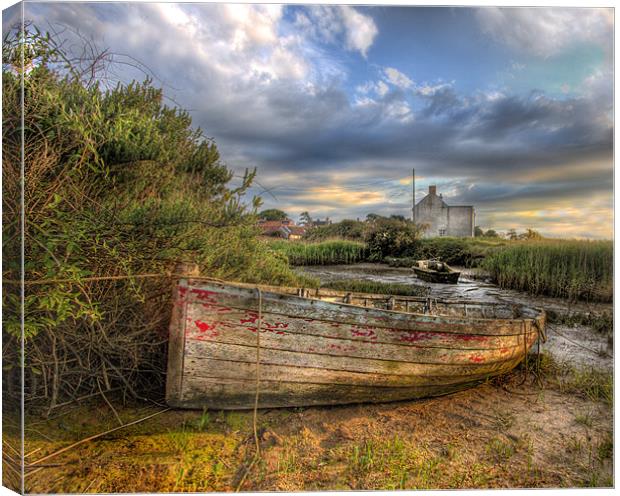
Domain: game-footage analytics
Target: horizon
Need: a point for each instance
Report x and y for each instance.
(506, 109)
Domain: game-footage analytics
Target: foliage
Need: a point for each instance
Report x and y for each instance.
(305, 219)
(478, 231)
(345, 229)
(324, 253)
(563, 268)
(273, 214)
(116, 184)
(391, 237)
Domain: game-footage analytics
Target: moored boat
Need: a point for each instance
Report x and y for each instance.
(329, 347)
(436, 271)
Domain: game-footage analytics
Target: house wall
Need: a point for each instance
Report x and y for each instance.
(455, 221)
(433, 212)
(460, 221)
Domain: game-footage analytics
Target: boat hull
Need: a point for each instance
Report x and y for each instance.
(438, 277)
(314, 352)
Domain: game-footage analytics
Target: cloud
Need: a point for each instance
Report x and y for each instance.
(344, 24)
(397, 78)
(360, 29)
(547, 31)
(262, 82)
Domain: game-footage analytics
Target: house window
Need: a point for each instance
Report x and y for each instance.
(442, 232)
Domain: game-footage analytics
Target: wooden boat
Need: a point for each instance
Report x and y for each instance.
(329, 347)
(436, 271)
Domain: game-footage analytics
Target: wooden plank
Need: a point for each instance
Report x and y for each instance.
(286, 305)
(207, 316)
(176, 346)
(281, 340)
(200, 351)
(198, 368)
(231, 394)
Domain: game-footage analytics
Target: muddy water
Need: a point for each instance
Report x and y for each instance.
(578, 345)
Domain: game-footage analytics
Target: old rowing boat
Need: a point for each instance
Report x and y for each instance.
(330, 347)
(436, 271)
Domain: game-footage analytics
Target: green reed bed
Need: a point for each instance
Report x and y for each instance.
(562, 268)
(324, 253)
(376, 287)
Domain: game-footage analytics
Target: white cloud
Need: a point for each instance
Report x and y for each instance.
(397, 78)
(547, 31)
(427, 89)
(382, 88)
(330, 24)
(360, 29)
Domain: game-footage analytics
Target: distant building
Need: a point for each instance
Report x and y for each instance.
(441, 219)
(319, 222)
(281, 228)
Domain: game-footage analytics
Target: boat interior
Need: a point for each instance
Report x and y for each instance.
(409, 304)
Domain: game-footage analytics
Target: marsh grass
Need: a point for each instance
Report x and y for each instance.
(593, 384)
(562, 268)
(376, 287)
(329, 252)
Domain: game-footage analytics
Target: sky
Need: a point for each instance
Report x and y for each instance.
(506, 109)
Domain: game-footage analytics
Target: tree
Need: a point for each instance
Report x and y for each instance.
(305, 219)
(491, 233)
(512, 234)
(530, 234)
(478, 232)
(398, 217)
(273, 214)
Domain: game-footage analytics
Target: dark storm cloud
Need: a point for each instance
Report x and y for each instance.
(279, 103)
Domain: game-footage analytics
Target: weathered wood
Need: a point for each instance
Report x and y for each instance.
(226, 394)
(176, 347)
(244, 371)
(293, 306)
(279, 339)
(203, 350)
(207, 322)
(321, 352)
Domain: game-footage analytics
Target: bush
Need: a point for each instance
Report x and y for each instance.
(391, 237)
(345, 229)
(117, 185)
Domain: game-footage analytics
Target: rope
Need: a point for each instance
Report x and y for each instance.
(37, 282)
(576, 343)
(256, 396)
(258, 328)
(524, 327)
(90, 438)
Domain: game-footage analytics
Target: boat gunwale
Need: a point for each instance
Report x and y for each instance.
(540, 312)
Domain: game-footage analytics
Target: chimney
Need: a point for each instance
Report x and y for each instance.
(432, 190)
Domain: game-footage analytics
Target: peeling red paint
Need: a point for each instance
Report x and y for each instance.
(251, 318)
(207, 331)
(412, 337)
(476, 358)
(367, 332)
(203, 294)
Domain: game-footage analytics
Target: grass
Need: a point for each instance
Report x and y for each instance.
(595, 385)
(323, 253)
(376, 287)
(561, 268)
